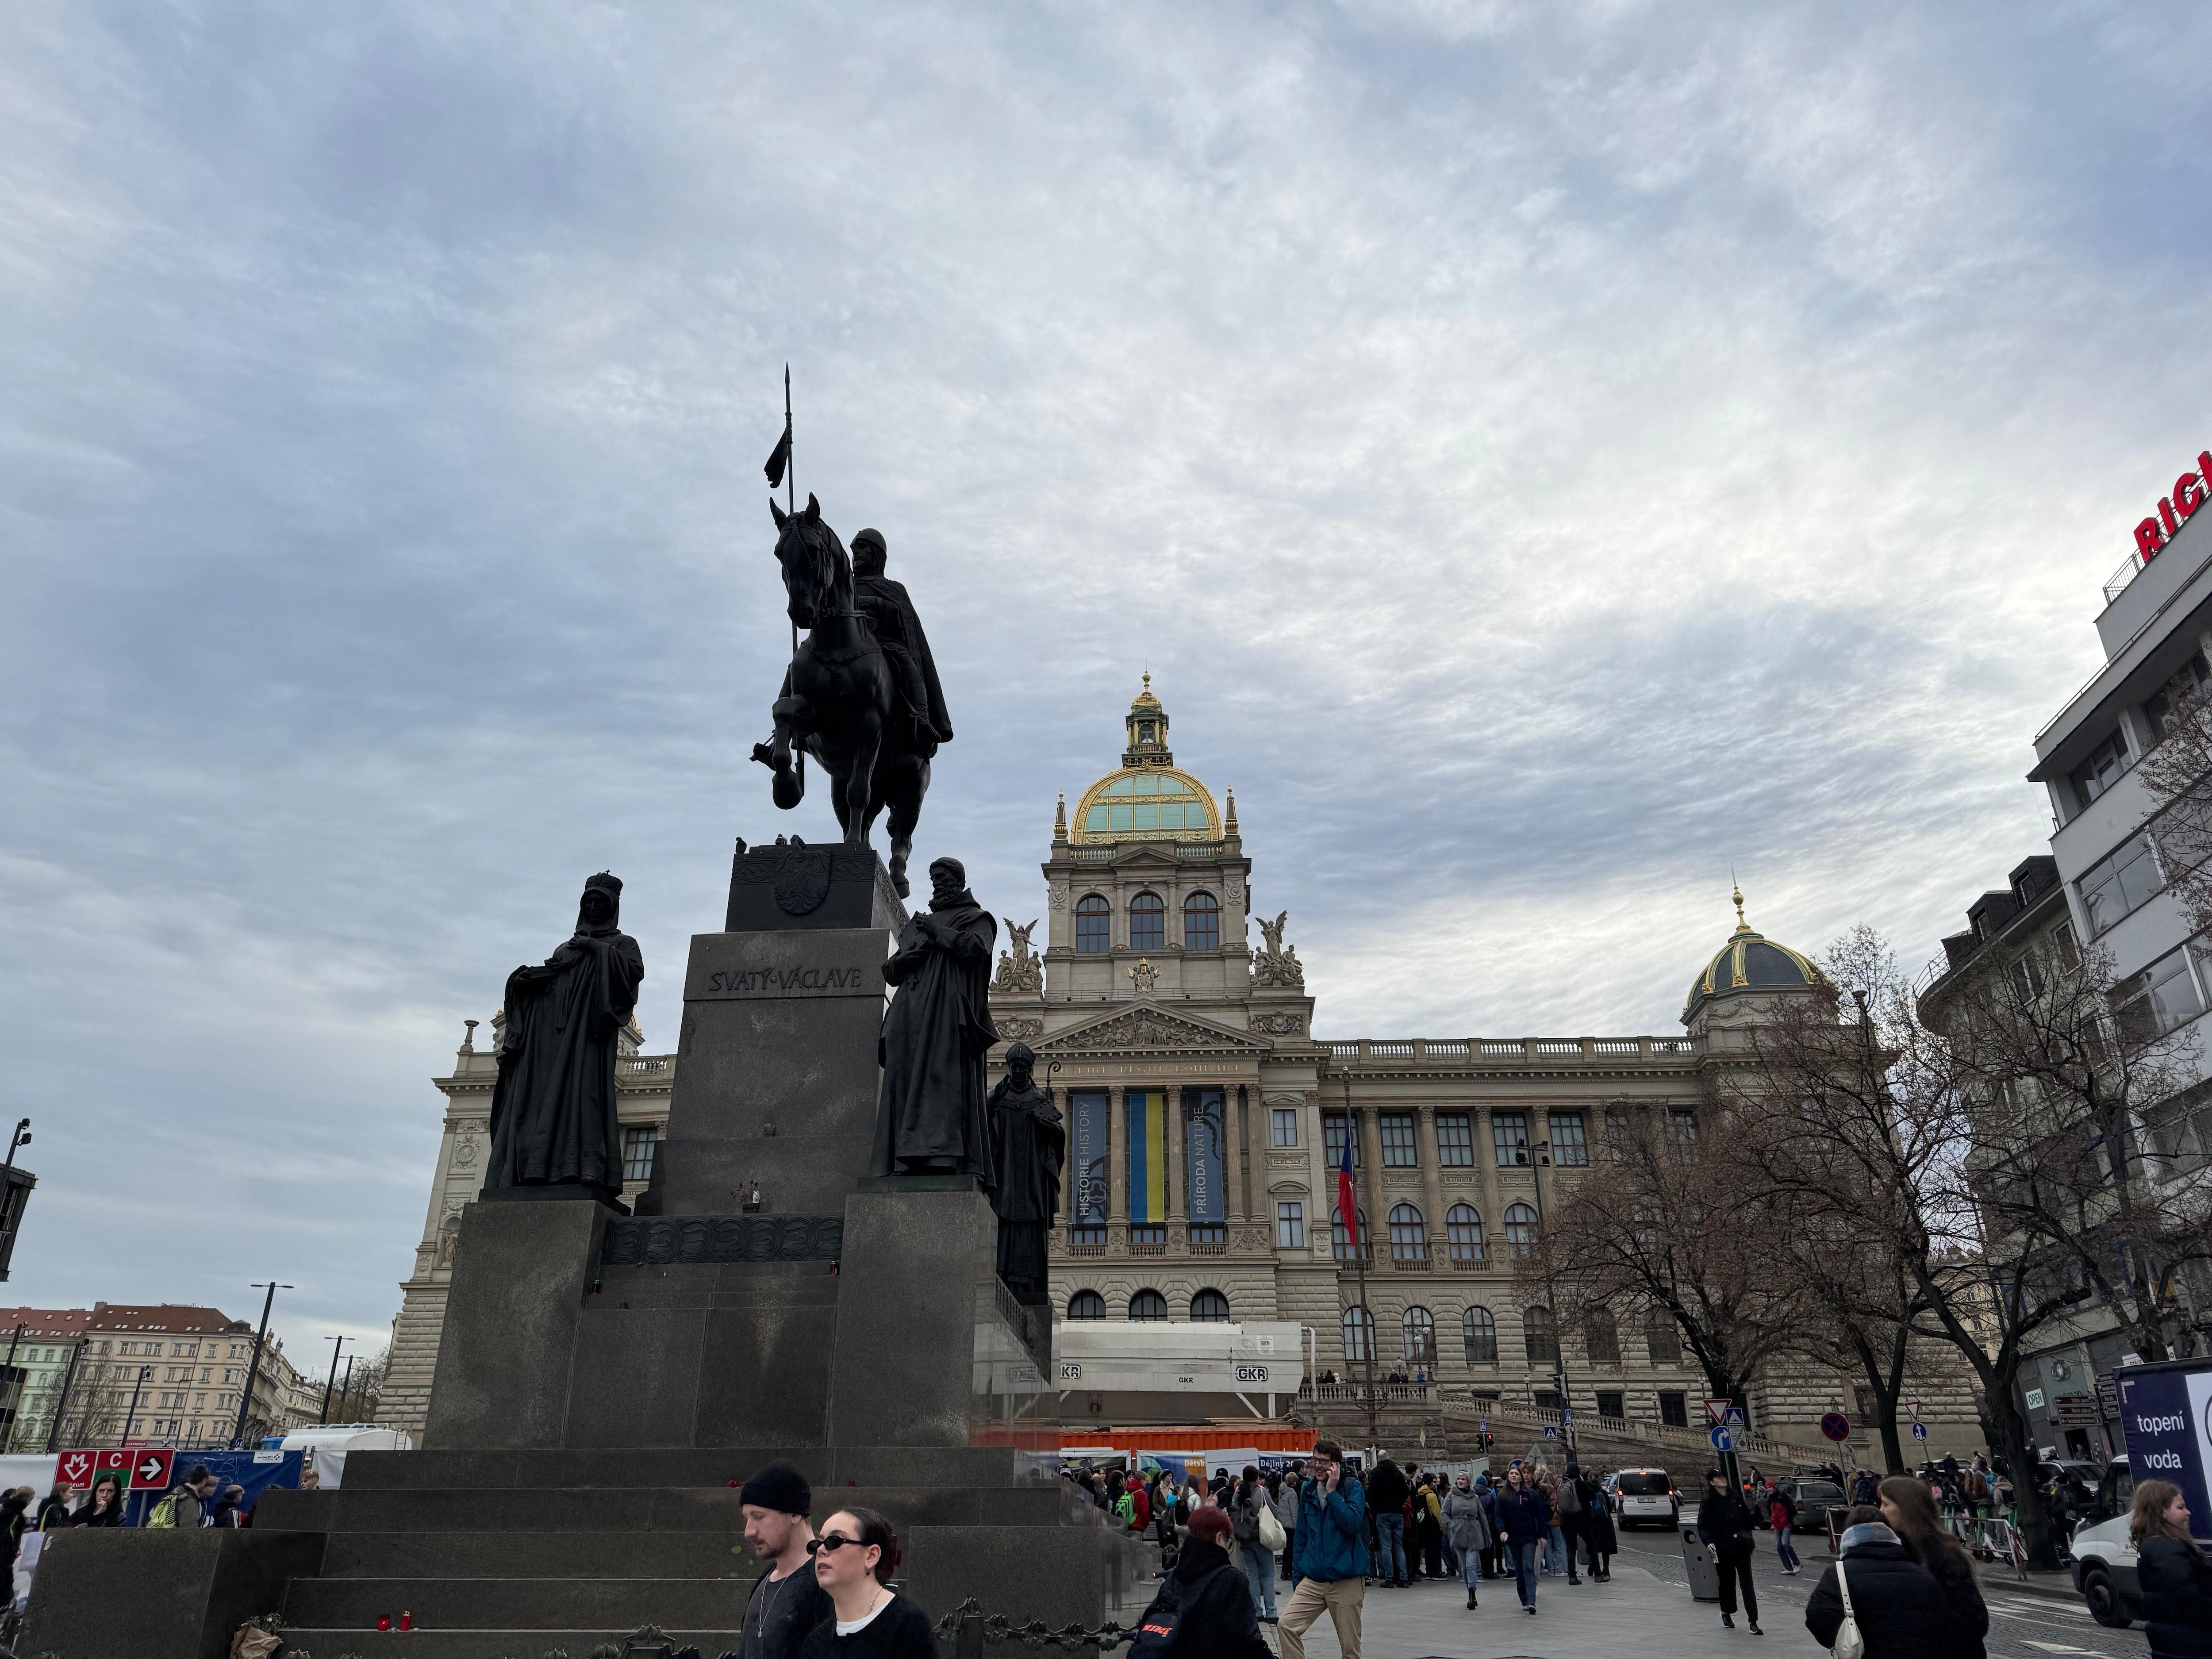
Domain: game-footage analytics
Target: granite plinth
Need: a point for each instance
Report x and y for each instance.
(175, 1594)
(798, 887)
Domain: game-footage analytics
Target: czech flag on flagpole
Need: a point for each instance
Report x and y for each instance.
(1346, 1205)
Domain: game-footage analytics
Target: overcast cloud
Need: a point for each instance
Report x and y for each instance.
(1547, 454)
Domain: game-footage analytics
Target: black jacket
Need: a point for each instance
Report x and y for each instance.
(1723, 1522)
(1386, 1489)
(901, 1631)
(1953, 1572)
(1900, 1606)
(1204, 1609)
(2174, 1583)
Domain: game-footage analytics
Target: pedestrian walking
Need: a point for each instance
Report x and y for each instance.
(1330, 1571)
(1911, 1512)
(1894, 1600)
(1205, 1605)
(1487, 1490)
(2174, 1582)
(854, 1560)
(1523, 1521)
(1599, 1538)
(1285, 1488)
(1386, 1495)
(1468, 1528)
(1863, 1488)
(1246, 1500)
(788, 1601)
(1567, 1504)
(1782, 1516)
(1429, 1523)
(1556, 1560)
(1725, 1528)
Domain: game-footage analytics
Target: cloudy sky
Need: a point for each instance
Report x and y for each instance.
(1548, 455)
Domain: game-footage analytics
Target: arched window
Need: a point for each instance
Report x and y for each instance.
(1086, 1304)
(1344, 1240)
(1210, 1305)
(1358, 1335)
(1463, 1229)
(1409, 1240)
(1661, 1338)
(1519, 1231)
(1601, 1336)
(1479, 1332)
(1541, 1332)
(1094, 926)
(1148, 1305)
(1420, 1337)
(1201, 922)
(1148, 922)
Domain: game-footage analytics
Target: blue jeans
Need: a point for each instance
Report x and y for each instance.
(1521, 1551)
(1260, 1574)
(1785, 1549)
(1470, 1568)
(1390, 1556)
(1555, 1555)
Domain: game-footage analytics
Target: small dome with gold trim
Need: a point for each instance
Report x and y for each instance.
(1750, 962)
(1149, 798)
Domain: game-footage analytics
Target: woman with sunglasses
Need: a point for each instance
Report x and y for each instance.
(853, 1558)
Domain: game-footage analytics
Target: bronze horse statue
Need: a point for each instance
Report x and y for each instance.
(839, 704)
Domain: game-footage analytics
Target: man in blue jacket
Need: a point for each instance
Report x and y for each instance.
(1329, 1567)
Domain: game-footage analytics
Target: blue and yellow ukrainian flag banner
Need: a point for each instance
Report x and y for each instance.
(1148, 1155)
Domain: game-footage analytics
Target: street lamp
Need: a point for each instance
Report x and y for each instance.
(144, 1372)
(253, 1371)
(1541, 1160)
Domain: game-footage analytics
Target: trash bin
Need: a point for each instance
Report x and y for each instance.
(1705, 1573)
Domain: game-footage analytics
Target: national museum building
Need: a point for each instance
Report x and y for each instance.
(1206, 1122)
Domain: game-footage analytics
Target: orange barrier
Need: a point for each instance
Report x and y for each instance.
(1260, 1435)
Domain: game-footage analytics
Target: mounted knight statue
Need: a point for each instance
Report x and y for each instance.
(861, 695)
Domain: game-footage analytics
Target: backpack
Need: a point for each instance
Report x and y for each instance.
(163, 1514)
(1156, 1629)
(1571, 1500)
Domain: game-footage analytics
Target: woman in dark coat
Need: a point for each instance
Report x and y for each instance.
(1205, 1605)
(1899, 1606)
(1598, 1527)
(2173, 1581)
(1910, 1509)
(103, 1506)
(1725, 1526)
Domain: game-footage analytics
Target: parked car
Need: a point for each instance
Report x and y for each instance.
(1645, 1497)
(1814, 1495)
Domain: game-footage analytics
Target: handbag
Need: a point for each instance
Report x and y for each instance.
(1849, 1643)
(1271, 1536)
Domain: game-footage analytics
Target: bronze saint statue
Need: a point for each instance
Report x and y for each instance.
(930, 1113)
(891, 615)
(553, 1127)
(1029, 1143)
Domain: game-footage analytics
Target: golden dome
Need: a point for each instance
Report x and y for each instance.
(1149, 798)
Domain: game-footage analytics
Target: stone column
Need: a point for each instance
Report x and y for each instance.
(1249, 1155)
(1431, 1155)
(1118, 1153)
(1172, 1119)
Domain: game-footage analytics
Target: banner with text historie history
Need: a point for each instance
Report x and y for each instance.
(1203, 1144)
(1088, 1109)
(1148, 1155)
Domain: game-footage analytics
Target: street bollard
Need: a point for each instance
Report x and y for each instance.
(1705, 1573)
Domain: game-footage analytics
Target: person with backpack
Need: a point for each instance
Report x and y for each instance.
(1205, 1605)
(1567, 1505)
(1894, 1601)
(185, 1504)
(1782, 1516)
(1330, 1569)
(1246, 1501)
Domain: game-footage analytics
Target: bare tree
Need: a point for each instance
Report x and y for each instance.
(2177, 775)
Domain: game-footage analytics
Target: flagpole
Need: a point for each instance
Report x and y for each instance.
(1369, 1334)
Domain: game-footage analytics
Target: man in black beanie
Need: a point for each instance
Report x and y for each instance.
(788, 1601)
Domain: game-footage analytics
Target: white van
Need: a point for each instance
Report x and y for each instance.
(2104, 1560)
(1646, 1498)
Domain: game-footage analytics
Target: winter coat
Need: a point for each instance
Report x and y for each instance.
(1332, 1541)
(1386, 1488)
(1286, 1508)
(1207, 1604)
(2174, 1585)
(1523, 1518)
(1724, 1524)
(1598, 1522)
(1464, 1524)
(1953, 1572)
(1898, 1604)
(1245, 1503)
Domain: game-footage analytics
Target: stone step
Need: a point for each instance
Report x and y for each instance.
(522, 1643)
(489, 1511)
(684, 1466)
(516, 1604)
(664, 1554)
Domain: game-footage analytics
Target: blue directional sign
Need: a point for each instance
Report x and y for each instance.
(1551, 1431)
(1919, 1431)
(1722, 1440)
(1567, 1415)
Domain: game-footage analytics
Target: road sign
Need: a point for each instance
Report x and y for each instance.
(1567, 1415)
(1483, 1424)
(1919, 1431)
(76, 1467)
(1734, 1421)
(1722, 1441)
(1551, 1431)
(1915, 1408)
(1836, 1425)
(1718, 1410)
(149, 1470)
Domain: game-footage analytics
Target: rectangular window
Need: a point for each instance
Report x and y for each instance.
(2118, 884)
(1569, 1142)
(1334, 1127)
(1454, 1140)
(1397, 1141)
(1286, 1126)
(2150, 1004)
(1611, 1404)
(1509, 1139)
(638, 1143)
(2107, 764)
(1290, 1226)
(1682, 1135)
(1149, 1233)
(1674, 1409)
(2188, 683)
(2062, 941)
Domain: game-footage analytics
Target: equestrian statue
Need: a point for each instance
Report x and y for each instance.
(861, 695)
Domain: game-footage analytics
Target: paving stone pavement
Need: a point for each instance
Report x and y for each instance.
(1646, 1611)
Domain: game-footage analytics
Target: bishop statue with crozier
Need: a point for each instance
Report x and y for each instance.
(1029, 1144)
(553, 1132)
(931, 1114)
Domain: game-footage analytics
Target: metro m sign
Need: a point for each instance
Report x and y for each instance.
(2174, 510)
